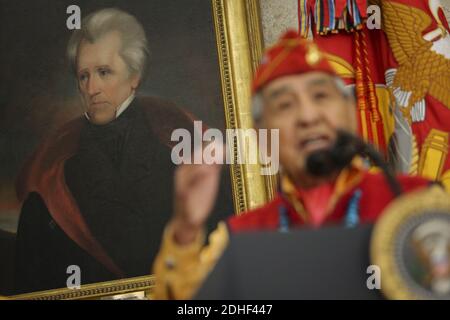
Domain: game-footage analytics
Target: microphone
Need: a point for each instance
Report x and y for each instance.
(323, 163)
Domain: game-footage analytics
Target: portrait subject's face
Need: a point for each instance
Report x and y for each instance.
(307, 109)
(104, 80)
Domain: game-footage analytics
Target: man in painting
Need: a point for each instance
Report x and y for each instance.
(95, 193)
(297, 91)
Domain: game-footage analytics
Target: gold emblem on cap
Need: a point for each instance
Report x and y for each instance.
(313, 55)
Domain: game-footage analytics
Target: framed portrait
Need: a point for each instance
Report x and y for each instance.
(92, 91)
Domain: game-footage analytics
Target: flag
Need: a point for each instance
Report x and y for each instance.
(401, 75)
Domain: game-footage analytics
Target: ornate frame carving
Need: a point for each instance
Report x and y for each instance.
(239, 45)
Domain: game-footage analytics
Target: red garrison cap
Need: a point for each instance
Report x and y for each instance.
(292, 54)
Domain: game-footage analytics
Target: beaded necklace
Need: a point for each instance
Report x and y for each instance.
(345, 181)
(351, 217)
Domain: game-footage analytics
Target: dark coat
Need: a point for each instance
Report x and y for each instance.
(106, 209)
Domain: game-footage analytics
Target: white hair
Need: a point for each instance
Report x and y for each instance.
(258, 101)
(134, 52)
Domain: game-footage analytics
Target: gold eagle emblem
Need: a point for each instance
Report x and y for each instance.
(424, 60)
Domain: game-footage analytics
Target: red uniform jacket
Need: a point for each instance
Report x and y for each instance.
(375, 196)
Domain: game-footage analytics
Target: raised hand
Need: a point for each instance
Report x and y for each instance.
(196, 187)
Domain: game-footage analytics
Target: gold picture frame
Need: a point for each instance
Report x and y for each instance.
(239, 45)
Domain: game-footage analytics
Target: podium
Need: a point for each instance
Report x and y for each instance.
(327, 263)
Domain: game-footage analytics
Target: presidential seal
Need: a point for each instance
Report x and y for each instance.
(411, 245)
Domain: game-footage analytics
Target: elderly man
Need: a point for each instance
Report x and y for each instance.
(93, 193)
(296, 91)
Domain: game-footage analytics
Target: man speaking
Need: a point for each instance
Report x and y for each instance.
(323, 180)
